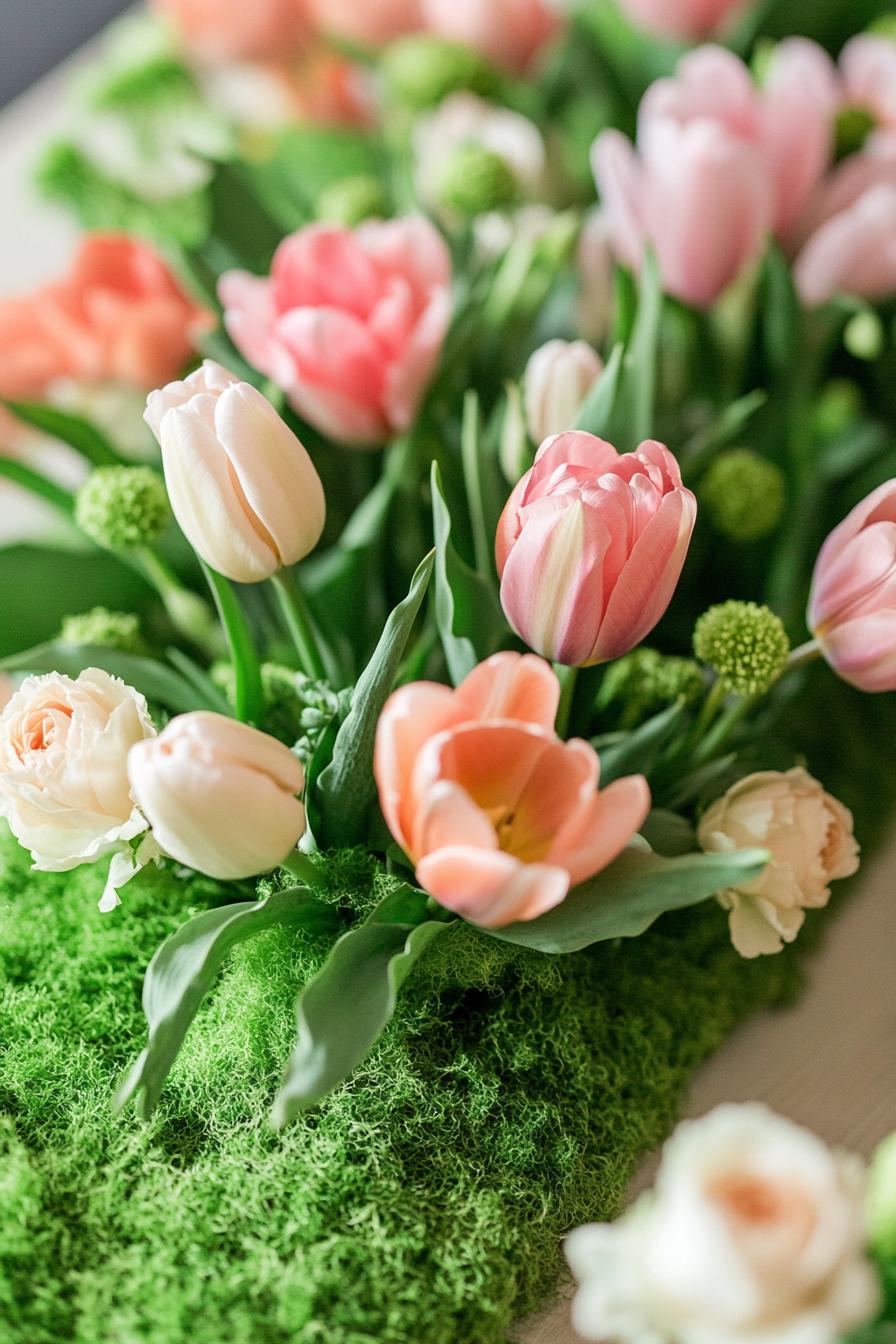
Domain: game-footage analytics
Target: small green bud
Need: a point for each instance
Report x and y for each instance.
(123, 507)
(744, 643)
(351, 200)
(421, 70)
(474, 180)
(745, 494)
(838, 406)
(646, 681)
(854, 125)
(864, 335)
(103, 629)
(881, 1208)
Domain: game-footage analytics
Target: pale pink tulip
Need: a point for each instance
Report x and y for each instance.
(118, 316)
(852, 606)
(799, 105)
(868, 66)
(226, 30)
(684, 20)
(853, 253)
(350, 324)
(512, 33)
(369, 22)
(498, 815)
(697, 189)
(591, 545)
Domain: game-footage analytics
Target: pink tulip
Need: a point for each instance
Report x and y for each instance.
(800, 100)
(511, 33)
(591, 545)
(684, 20)
(117, 316)
(499, 816)
(227, 30)
(868, 66)
(350, 324)
(697, 189)
(371, 23)
(853, 253)
(852, 606)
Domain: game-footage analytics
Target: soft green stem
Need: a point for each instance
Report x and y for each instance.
(711, 706)
(189, 613)
(806, 653)
(719, 734)
(301, 867)
(248, 697)
(483, 543)
(299, 624)
(567, 677)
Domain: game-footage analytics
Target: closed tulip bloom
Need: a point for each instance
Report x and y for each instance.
(349, 323)
(852, 606)
(512, 33)
(591, 545)
(684, 20)
(242, 486)
(559, 376)
(220, 796)
(799, 105)
(498, 815)
(852, 253)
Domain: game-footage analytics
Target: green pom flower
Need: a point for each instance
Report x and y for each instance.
(103, 629)
(882, 1200)
(421, 70)
(351, 200)
(123, 507)
(296, 709)
(838, 406)
(744, 643)
(745, 494)
(646, 681)
(474, 180)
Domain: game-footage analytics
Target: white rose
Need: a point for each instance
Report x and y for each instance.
(64, 786)
(809, 835)
(753, 1235)
(463, 119)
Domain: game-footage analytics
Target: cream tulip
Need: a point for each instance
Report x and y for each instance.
(242, 487)
(220, 796)
(559, 376)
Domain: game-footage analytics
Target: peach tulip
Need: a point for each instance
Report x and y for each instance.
(350, 324)
(371, 23)
(511, 33)
(591, 545)
(852, 606)
(498, 815)
(227, 30)
(220, 796)
(118, 316)
(683, 20)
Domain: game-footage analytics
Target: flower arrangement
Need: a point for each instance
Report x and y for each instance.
(525, 557)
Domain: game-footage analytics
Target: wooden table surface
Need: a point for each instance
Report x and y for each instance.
(828, 1062)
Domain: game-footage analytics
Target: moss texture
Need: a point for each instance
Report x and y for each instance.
(426, 1200)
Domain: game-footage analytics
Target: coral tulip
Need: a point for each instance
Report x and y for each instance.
(510, 32)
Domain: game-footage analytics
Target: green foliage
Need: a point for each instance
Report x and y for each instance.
(508, 1101)
(421, 70)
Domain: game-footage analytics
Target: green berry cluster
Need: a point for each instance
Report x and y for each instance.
(744, 493)
(744, 643)
(646, 681)
(474, 179)
(420, 70)
(123, 507)
(103, 629)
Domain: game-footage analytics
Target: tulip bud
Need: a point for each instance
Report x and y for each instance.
(220, 796)
(122, 508)
(242, 486)
(852, 606)
(559, 377)
(590, 547)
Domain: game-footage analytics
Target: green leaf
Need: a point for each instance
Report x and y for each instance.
(347, 1005)
(38, 484)
(723, 430)
(782, 318)
(185, 967)
(74, 430)
(206, 690)
(635, 409)
(248, 696)
(597, 411)
(156, 681)
(346, 788)
(668, 833)
(625, 899)
(637, 751)
(484, 493)
(469, 618)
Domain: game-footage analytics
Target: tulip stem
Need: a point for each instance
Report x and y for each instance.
(189, 613)
(299, 623)
(567, 677)
(248, 695)
(301, 866)
(806, 653)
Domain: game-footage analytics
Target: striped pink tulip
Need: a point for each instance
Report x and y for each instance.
(591, 545)
(498, 815)
(852, 606)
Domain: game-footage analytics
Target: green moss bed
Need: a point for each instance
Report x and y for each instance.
(510, 1099)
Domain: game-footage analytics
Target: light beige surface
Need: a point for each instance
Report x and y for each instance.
(828, 1062)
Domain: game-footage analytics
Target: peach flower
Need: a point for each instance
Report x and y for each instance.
(852, 606)
(684, 20)
(499, 816)
(349, 323)
(371, 23)
(226, 30)
(117, 316)
(512, 33)
(591, 545)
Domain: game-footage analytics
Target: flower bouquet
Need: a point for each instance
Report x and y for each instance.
(448, 542)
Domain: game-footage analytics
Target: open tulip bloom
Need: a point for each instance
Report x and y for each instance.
(464, 475)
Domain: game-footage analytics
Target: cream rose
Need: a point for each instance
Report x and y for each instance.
(753, 1235)
(64, 785)
(809, 835)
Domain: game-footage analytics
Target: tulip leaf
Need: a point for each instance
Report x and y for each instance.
(346, 1007)
(637, 751)
(628, 896)
(637, 394)
(345, 788)
(34, 481)
(596, 413)
(74, 430)
(668, 833)
(155, 680)
(483, 491)
(470, 622)
(187, 964)
(248, 694)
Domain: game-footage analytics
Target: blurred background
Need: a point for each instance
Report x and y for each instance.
(36, 34)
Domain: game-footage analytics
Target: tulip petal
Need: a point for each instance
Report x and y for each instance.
(336, 373)
(491, 888)
(853, 253)
(863, 651)
(324, 267)
(620, 185)
(448, 816)
(600, 829)
(410, 717)
(511, 686)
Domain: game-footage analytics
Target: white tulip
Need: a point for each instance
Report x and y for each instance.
(558, 378)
